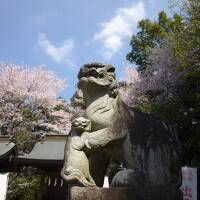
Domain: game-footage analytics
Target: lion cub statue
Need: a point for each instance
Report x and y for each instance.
(76, 166)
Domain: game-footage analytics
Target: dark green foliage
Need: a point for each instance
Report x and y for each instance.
(183, 108)
(23, 186)
(188, 56)
(152, 34)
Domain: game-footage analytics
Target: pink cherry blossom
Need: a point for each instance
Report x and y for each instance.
(27, 94)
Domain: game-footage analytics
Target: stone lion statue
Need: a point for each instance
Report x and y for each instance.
(148, 147)
(76, 165)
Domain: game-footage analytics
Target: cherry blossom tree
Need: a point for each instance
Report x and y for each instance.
(58, 118)
(159, 82)
(129, 90)
(28, 96)
(161, 78)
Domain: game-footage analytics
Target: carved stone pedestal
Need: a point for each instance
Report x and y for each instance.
(83, 193)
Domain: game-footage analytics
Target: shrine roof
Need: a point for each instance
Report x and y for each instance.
(6, 146)
(7, 150)
(48, 151)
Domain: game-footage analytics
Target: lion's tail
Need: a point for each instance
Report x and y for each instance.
(75, 175)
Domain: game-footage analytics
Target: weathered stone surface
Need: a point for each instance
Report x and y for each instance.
(82, 193)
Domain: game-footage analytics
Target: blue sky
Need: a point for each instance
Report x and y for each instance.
(65, 34)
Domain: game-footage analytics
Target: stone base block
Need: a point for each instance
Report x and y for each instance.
(96, 193)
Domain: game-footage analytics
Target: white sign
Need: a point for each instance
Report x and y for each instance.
(106, 183)
(189, 183)
(3, 185)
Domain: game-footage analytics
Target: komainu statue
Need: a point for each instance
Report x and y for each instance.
(147, 147)
(76, 165)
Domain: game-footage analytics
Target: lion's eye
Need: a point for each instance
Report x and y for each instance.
(111, 70)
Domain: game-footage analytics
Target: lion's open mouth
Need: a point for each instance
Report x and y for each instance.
(91, 73)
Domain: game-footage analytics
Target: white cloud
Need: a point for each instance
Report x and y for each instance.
(119, 27)
(58, 54)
